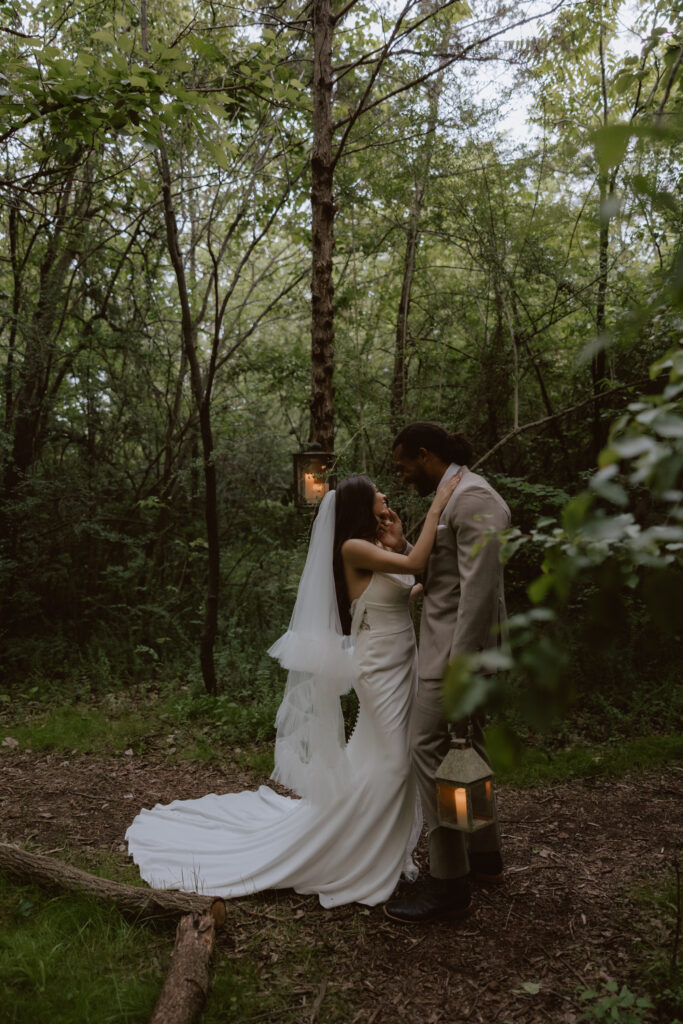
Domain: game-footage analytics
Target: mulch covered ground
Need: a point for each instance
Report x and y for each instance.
(566, 919)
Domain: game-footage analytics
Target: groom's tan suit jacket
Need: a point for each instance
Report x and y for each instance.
(463, 611)
(464, 602)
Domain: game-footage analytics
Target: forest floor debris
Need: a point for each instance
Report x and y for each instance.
(566, 920)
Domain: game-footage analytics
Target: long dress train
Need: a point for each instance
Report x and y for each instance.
(351, 848)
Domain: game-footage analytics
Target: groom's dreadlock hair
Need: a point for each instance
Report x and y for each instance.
(353, 517)
(449, 447)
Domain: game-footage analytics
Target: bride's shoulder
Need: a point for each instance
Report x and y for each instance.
(355, 543)
(356, 547)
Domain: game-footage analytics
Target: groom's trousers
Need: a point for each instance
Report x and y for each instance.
(448, 848)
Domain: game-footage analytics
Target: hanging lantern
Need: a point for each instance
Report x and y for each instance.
(312, 475)
(464, 784)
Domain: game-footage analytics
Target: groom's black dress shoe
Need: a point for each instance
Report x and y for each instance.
(431, 900)
(486, 866)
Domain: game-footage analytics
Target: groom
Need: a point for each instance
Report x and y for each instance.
(464, 607)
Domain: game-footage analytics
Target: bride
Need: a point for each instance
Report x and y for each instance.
(352, 831)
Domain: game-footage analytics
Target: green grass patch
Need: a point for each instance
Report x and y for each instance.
(261, 762)
(229, 718)
(539, 765)
(188, 725)
(82, 729)
(73, 961)
(104, 864)
(658, 954)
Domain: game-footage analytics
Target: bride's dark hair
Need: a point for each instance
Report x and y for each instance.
(353, 517)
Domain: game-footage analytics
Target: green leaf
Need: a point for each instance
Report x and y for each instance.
(603, 484)
(593, 347)
(672, 361)
(104, 36)
(219, 155)
(504, 747)
(463, 691)
(624, 83)
(610, 144)
(668, 425)
(575, 512)
(539, 588)
(632, 447)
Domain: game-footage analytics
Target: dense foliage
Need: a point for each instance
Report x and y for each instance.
(155, 321)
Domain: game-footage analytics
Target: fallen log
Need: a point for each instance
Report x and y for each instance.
(36, 867)
(186, 985)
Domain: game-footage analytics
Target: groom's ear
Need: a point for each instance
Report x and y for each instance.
(425, 458)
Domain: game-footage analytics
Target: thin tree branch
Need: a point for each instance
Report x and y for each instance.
(547, 419)
(340, 15)
(669, 85)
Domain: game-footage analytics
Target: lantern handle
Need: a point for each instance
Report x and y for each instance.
(461, 741)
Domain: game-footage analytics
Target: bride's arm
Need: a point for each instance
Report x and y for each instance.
(363, 554)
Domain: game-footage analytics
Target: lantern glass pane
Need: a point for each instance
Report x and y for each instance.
(454, 806)
(312, 477)
(482, 802)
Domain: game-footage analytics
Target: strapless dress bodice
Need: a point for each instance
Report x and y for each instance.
(384, 606)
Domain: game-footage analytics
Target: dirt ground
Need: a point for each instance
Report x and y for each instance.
(566, 919)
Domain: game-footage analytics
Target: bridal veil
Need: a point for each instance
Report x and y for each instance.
(310, 754)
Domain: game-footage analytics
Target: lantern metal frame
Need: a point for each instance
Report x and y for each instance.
(464, 788)
(313, 475)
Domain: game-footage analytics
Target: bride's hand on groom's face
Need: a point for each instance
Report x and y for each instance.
(390, 530)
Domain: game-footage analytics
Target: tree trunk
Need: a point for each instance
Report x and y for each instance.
(599, 360)
(210, 630)
(129, 898)
(17, 282)
(399, 382)
(202, 398)
(399, 379)
(322, 223)
(187, 983)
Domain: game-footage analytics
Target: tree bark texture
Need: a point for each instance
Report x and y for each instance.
(129, 898)
(322, 223)
(599, 360)
(186, 987)
(202, 397)
(399, 381)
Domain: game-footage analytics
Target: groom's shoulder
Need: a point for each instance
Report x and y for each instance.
(474, 486)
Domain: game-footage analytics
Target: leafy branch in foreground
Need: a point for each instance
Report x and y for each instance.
(622, 535)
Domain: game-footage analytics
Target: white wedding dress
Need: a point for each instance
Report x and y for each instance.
(348, 847)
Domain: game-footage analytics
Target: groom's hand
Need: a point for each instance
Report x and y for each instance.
(390, 532)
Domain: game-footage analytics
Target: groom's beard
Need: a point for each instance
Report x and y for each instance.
(423, 485)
